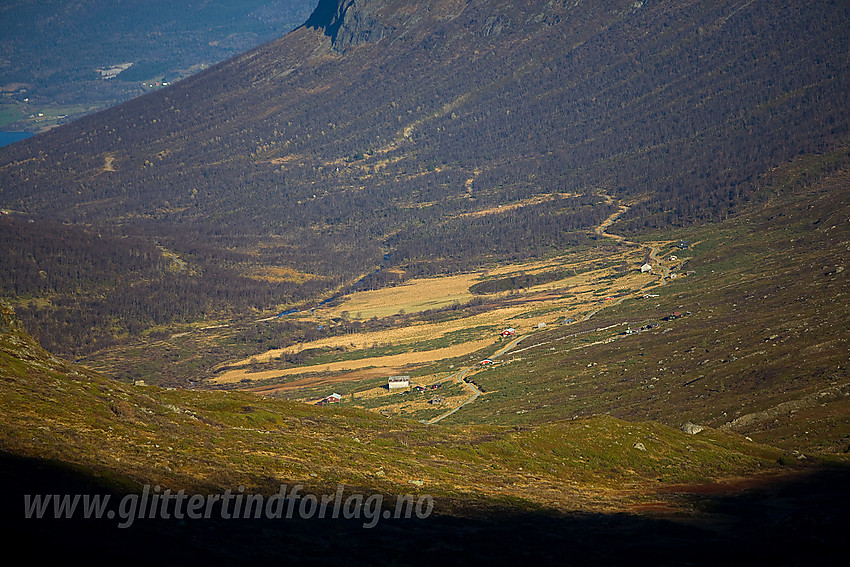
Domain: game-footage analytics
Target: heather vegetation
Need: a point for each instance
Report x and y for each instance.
(603, 243)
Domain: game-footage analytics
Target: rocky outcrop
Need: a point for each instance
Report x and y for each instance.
(692, 428)
(832, 393)
(348, 22)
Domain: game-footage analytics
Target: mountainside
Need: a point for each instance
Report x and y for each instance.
(389, 134)
(668, 100)
(749, 334)
(603, 244)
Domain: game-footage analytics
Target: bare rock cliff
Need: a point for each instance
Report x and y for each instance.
(348, 22)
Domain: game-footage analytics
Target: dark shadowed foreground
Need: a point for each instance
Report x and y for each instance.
(795, 521)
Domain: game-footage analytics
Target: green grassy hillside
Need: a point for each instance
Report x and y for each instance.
(761, 346)
(68, 431)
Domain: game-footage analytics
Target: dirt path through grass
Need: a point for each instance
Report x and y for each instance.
(475, 391)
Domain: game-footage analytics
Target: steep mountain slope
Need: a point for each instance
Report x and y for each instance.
(335, 151)
(581, 98)
(759, 344)
(361, 139)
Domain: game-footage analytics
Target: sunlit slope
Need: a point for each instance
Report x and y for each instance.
(136, 434)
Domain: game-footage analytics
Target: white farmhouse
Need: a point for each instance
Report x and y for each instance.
(398, 382)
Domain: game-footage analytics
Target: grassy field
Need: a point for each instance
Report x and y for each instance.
(10, 113)
(394, 361)
(525, 310)
(46, 117)
(414, 296)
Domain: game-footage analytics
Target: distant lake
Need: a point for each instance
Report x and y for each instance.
(7, 138)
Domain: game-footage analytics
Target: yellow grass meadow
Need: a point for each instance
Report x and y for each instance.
(394, 360)
(404, 335)
(411, 297)
(525, 311)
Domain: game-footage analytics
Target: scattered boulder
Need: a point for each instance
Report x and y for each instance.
(122, 409)
(640, 446)
(692, 428)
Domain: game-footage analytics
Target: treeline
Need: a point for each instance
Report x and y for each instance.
(465, 243)
(49, 257)
(283, 333)
(78, 289)
(520, 281)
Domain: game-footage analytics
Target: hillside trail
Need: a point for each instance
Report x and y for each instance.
(600, 230)
(665, 274)
(475, 392)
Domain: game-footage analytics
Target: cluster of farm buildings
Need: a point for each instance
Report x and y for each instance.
(393, 383)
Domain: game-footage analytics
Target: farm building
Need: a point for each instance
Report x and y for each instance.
(646, 268)
(509, 332)
(332, 399)
(398, 382)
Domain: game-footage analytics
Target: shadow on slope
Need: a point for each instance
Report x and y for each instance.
(789, 522)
